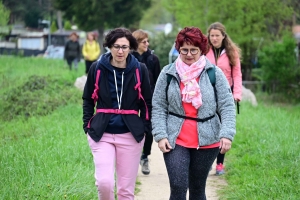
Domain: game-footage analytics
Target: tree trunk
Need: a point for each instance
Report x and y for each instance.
(59, 21)
(101, 39)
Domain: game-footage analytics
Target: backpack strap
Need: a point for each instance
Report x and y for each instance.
(211, 72)
(169, 78)
(138, 87)
(96, 89)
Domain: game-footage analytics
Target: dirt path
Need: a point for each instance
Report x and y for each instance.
(156, 185)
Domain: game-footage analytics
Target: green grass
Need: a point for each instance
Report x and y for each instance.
(264, 160)
(43, 155)
(46, 158)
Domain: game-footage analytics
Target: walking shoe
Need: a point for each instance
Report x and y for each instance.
(220, 169)
(145, 166)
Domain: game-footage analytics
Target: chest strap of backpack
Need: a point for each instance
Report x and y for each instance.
(192, 118)
(119, 111)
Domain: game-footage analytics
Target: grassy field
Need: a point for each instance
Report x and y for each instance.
(44, 153)
(264, 161)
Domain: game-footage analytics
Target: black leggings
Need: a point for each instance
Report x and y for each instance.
(148, 144)
(188, 169)
(220, 158)
(88, 65)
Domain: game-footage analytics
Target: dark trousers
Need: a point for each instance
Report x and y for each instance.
(148, 144)
(220, 158)
(71, 61)
(188, 169)
(88, 65)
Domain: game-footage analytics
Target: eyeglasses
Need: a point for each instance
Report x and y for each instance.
(145, 42)
(118, 47)
(186, 51)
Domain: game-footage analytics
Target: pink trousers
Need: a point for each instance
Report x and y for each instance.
(116, 154)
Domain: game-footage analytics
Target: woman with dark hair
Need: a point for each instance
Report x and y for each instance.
(90, 51)
(72, 51)
(189, 94)
(119, 87)
(145, 55)
(226, 55)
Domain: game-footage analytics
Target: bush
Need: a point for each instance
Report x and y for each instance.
(38, 96)
(67, 25)
(280, 69)
(53, 27)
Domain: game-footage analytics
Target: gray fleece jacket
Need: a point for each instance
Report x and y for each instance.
(168, 126)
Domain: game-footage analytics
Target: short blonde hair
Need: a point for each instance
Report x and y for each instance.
(140, 35)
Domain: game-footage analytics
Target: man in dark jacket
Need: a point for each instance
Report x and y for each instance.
(72, 51)
(146, 56)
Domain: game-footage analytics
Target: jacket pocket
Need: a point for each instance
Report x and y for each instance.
(89, 123)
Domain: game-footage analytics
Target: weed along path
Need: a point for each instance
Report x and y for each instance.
(156, 185)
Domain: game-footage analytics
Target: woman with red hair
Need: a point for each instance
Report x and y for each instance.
(185, 122)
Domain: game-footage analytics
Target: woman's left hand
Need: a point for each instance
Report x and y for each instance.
(225, 145)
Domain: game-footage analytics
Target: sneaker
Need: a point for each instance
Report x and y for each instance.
(220, 169)
(145, 166)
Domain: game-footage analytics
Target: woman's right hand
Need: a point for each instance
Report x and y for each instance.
(164, 145)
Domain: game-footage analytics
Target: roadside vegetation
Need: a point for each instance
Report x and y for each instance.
(264, 160)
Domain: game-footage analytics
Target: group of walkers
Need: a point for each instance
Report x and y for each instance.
(90, 51)
(188, 108)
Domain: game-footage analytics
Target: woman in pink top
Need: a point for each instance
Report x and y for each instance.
(226, 55)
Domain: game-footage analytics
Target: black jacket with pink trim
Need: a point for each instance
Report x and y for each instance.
(136, 124)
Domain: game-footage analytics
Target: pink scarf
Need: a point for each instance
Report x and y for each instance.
(188, 74)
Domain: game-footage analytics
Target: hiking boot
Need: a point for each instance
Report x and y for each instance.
(220, 169)
(145, 166)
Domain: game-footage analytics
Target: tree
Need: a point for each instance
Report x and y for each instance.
(53, 27)
(156, 14)
(101, 14)
(67, 25)
(246, 21)
(280, 69)
(25, 11)
(31, 18)
(4, 15)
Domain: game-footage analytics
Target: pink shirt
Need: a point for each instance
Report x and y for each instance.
(224, 64)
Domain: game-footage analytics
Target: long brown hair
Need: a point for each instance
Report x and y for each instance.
(232, 50)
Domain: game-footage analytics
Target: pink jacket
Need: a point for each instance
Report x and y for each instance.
(223, 63)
